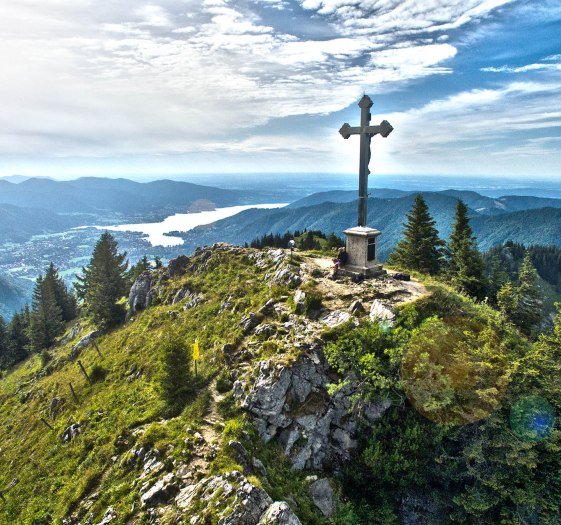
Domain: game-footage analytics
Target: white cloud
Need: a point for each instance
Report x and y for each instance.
(95, 78)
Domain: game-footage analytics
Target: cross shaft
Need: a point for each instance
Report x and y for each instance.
(366, 132)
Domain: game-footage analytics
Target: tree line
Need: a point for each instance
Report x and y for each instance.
(305, 240)
(459, 262)
(97, 293)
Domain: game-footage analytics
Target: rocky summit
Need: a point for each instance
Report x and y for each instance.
(287, 414)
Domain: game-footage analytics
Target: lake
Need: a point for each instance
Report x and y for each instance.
(156, 233)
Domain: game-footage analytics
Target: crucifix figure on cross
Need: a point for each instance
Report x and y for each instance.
(366, 132)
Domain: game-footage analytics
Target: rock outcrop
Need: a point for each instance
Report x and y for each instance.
(292, 405)
(140, 294)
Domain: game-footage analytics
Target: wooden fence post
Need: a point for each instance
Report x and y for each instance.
(46, 423)
(84, 371)
(73, 393)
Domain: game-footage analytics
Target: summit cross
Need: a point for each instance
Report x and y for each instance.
(366, 132)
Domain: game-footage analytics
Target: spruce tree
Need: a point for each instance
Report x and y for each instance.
(65, 300)
(18, 338)
(497, 278)
(141, 266)
(530, 299)
(421, 248)
(466, 266)
(46, 321)
(5, 358)
(104, 282)
(174, 374)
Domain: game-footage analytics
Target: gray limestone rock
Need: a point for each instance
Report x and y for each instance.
(292, 405)
(279, 513)
(160, 492)
(322, 496)
(380, 312)
(139, 296)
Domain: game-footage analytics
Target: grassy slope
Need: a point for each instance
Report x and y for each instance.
(52, 477)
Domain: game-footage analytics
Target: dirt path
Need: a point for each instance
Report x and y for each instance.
(340, 293)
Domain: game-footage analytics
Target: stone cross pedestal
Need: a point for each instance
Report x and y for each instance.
(362, 251)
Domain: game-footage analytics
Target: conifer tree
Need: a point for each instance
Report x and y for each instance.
(65, 300)
(18, 338)
(497, 278)
(530, 300)
(421, 248)
(104, 282)
(142, 265)
(174, 374)
(5, 359)
(46, 321)
(466, 266)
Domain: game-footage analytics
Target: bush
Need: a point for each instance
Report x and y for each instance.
(174, 377)
(312, 302)
(45, 358)
(223, 383)
(97, 373)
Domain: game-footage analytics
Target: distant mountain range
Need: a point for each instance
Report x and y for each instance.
(92, 195)
(528, 220)
(40, 205)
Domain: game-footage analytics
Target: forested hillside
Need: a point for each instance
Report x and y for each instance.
(492, 224)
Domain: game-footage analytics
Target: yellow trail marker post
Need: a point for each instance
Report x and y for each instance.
(196, 354)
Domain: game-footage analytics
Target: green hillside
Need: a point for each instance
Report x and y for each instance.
(314, 401)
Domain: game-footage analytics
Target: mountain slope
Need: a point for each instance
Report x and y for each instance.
(18, 224)
(536, 226)
(286, 392)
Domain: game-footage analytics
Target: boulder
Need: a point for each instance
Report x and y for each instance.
(292, 404)
(268, 307)
(249, 322)
(86, 341)
(181, 294)
(357, 308)
(381, 312)
(322, 496)
(231, 495)
(336, 318)
(70, 432)
(178, 266)
(109, 516)
(300, 302)
(279, 513)
(139, 296)
(287, 276)
(160, 492)
(402, 276)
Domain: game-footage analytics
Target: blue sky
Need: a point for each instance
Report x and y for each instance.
(179, 86)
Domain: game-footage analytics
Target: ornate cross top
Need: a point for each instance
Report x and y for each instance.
(366, 132)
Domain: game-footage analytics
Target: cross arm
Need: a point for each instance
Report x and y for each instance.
(384, 129)
(348, 130)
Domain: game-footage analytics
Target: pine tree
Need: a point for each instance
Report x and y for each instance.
(174, 374)
(104, 282)
(158, 262)
(18, 339)
(421, 248)
(65, 300)
(46, 321)
(5, 358)
(466, 266)
(530, 300)
(497, 278)
(141, 266)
